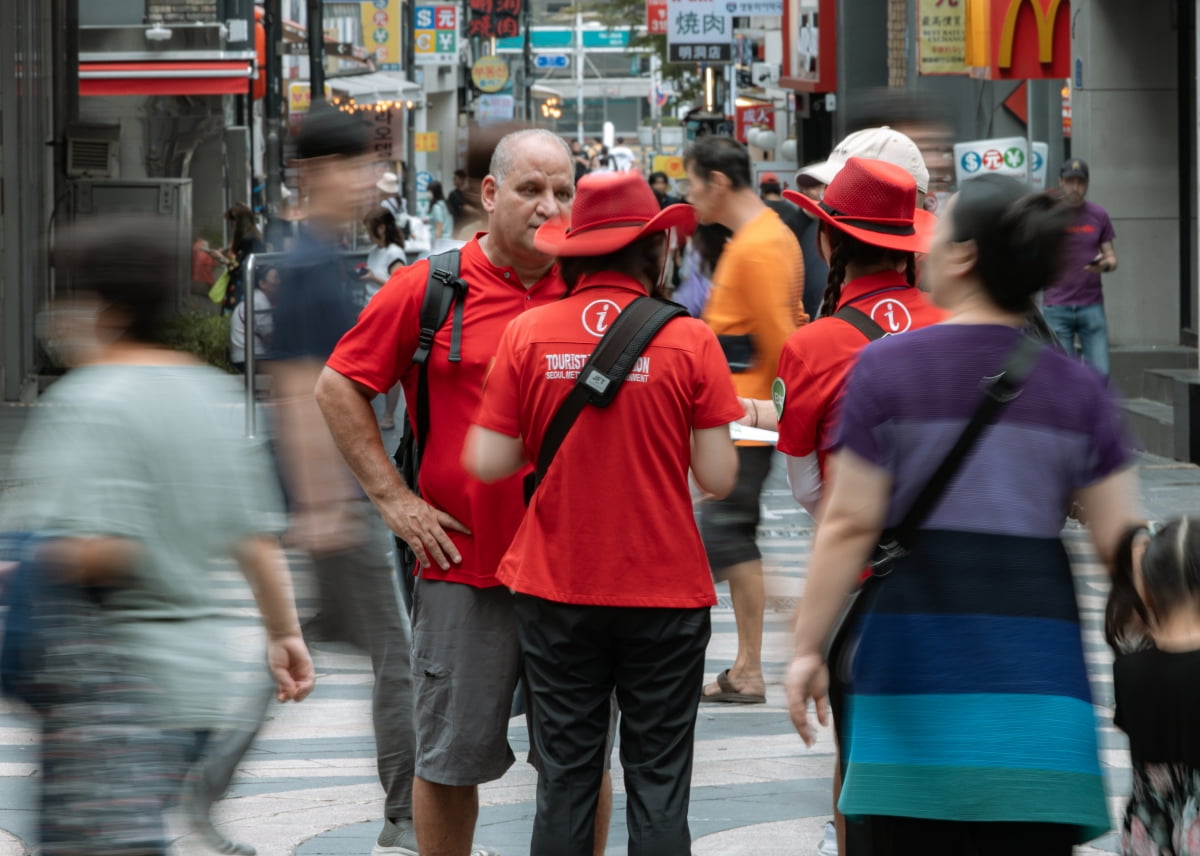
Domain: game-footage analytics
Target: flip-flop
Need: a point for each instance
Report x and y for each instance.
(730, 694)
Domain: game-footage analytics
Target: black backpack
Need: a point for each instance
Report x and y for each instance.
(444, 290)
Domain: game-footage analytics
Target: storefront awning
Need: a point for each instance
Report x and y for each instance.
(201, 77)
(366, 89)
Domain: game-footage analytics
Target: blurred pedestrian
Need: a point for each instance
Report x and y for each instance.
(350, 548)
(1153, 616)
(145, 489)
(816, 269)
(439, 218)
(700, 258)
(622, 157)
(462, 209)
(266, 290)
(661, 185)
(388, 253)
(592, 613)
(754, 305)
(246, 241)
(1074, 302)
(976, 627)
(465, 650)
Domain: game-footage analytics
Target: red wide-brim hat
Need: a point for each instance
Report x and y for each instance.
(875, 202)
(611, 211)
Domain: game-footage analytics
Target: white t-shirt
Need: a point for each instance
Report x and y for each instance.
(381, 259)
(622, 158)
(264, 326)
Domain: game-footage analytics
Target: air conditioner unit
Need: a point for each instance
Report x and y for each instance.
(92, 150)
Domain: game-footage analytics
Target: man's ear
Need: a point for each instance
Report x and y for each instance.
(962, 257)
(487, 194)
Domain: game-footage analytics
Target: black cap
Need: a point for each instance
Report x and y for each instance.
(1074, 168)
(327, 131)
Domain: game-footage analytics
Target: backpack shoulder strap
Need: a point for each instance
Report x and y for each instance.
(444, 288)
(603, 374)
(860, 321)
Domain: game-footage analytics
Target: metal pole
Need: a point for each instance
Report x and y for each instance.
(316, 49)
(410, 118)
(1029, 133)
(248, 333)
(273, 21)
(655, 109)
(579, 75)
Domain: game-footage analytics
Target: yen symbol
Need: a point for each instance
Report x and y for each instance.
(1014, 158)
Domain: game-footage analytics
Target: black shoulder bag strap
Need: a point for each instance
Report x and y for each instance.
(998, 391)
(443, 289)
(601, 377)
(860, 321)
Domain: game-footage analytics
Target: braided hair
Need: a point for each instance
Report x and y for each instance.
(846, 250)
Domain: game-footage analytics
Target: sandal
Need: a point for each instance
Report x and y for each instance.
(729, 694)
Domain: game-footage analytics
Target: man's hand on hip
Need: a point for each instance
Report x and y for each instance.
(424, 529)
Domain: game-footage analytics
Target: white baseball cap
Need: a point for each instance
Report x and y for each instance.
(883, 144)
(390, 183)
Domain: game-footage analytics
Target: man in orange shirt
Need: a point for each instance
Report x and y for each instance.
(755, 303)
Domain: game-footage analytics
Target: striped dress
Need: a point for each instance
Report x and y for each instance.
(969, 697)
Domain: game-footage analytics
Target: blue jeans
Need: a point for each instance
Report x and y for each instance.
(1089, 323)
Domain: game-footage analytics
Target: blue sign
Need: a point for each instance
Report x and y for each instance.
(971, 162)
(1037, 161)
(423, 180)
(550, 61)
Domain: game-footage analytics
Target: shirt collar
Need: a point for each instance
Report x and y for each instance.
(551, 279)
(864, 285)
(609, 279)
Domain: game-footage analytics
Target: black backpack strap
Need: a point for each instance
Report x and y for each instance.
(860, 321)
(443, 271)
(602, 376)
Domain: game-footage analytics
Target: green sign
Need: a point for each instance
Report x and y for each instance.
(550, 38)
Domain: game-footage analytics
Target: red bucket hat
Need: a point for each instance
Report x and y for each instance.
(875, 202)
(611, 211)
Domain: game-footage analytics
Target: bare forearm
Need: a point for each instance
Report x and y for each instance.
(265, 568)
(840, 551)
(351, 421)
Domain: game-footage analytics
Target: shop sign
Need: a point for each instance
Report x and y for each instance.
(489, 73)
(381, 33)
(435, 35)
(942, 37)
(699, 31)
(1019, 39)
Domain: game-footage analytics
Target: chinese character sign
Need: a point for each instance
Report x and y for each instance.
(381, 32)
(942, 35)
(656, 17)
(500, 19)
(752, 116)
(699, 31)
(435, 35)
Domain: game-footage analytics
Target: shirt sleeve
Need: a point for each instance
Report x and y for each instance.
(1107, 232)
(1109, 449)
(795, 397)
(378, 350)
(863, 425)
(716, 402)
(500, 407)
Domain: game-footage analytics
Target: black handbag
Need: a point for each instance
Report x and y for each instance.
(997, 392)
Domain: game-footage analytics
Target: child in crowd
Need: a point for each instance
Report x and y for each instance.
(1153, 625)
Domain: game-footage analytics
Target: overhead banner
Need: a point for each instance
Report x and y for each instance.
(435, 35)
(699, 31)
(381, 33)
(942, 37)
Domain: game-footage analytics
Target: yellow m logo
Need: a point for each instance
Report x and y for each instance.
(1045, 30)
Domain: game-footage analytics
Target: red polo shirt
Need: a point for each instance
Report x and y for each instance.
(378, 351)
(818, 356)
(612, 523)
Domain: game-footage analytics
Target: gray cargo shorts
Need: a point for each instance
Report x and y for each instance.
(465, 663)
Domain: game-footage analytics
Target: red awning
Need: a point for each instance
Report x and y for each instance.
(220, 77)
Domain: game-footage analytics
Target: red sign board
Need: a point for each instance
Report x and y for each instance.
(1019, 39)
(656, 17)
(499, 19)
(754, 115)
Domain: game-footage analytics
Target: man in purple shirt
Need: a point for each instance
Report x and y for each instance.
(1074, 304)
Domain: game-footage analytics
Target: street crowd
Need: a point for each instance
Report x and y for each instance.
(595, 385)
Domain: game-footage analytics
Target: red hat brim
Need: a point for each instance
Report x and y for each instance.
(556, 238)
(924, 224)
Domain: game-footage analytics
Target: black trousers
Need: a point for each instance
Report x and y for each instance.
(902, 836)
(574, 656)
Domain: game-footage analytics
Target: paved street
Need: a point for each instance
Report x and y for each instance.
(308, 785)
